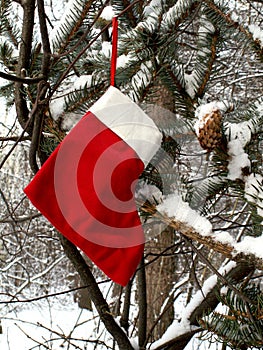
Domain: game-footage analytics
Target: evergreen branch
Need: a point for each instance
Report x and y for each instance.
(11, 33)
(179, 12)
(129, 13)
(84, 35)
(5, 25)
(78, 16)
(66, 72)
(209, 241)
(209, 302)
(234, 24)
(178, 84)
(209, 65)
(238, 314)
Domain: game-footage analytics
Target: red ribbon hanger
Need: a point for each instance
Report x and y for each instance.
(114, 49)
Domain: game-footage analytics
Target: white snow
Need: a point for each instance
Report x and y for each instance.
(83, 80)
(208, 285)
(250, 245)
(239, 135)
(257, 33)
(179, 210)
(149, 23)
(206, 26)
(237, 161)
(58, 103)
(107, 13)
(106, 48)
(224, 237)
(26, 329)
(190, 83)
(174, 330)
(241, 131)
(180, 327)
(123, 60)
(148, 191)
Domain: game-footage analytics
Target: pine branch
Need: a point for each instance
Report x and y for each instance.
(210, 302)
(209, 241)
(78, 56)
(73, 20)
(234, 24)
(209, 66)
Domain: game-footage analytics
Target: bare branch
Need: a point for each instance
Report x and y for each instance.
(142, 303)
(24, 62)
(14, 138)
(18, 79)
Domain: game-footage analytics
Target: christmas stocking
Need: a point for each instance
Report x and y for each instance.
(86, 187)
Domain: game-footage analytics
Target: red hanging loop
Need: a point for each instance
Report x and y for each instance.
(114, 49)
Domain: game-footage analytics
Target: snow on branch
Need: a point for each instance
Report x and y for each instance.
(257, 33)
(181, 328)
(177, 214)
(108, 13)
(207, 39)
(176, 208)
(176, 13)
(69, 23)
(252, 33)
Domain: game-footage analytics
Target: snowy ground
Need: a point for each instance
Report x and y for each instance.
(31, 329)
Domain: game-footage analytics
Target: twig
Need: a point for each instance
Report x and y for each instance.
(14, 138)
(18, 79)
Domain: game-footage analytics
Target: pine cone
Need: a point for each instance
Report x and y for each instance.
(209, 131)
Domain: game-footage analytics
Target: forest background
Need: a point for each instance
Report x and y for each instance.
(196, 68)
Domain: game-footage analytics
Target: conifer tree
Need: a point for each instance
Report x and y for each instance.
(195, 67)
